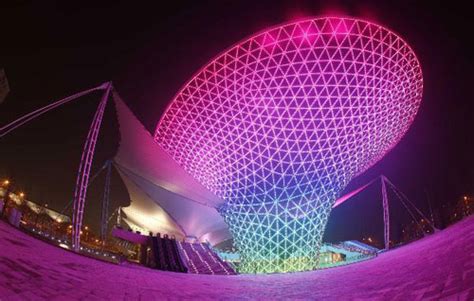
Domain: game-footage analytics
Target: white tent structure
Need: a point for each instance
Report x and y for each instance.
(164, 198)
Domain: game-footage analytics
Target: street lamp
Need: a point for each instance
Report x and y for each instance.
(5, 184)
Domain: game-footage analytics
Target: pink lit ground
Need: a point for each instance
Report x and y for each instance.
(437, 267)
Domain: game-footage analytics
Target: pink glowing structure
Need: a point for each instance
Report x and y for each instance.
(278, 124)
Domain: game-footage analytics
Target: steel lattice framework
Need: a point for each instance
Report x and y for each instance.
(278, 125)
(82, 180)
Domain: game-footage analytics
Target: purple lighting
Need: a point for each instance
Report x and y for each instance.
(278, 125)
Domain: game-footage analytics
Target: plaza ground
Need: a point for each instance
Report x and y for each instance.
(438, 267)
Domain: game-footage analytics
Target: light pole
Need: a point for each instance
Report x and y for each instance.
(6, 188)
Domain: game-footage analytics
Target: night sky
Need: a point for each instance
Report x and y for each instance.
(52, 49)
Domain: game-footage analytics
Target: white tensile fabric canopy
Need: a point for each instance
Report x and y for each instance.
(164, 198)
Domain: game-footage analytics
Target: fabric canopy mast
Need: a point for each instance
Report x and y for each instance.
(85, 169)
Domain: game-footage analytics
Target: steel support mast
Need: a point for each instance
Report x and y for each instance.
(105, 204)
(85, 168)
(386, 214)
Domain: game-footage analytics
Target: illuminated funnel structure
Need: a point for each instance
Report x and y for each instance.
(278, 124)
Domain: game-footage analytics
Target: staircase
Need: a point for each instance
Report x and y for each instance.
(202, 260)
(166, 255)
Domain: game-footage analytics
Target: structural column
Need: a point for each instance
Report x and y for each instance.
(386, 214)
(85, 168)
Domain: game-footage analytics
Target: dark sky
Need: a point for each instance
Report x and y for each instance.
(52, 49)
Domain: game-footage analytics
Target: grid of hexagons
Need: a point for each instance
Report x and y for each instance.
(278, 125)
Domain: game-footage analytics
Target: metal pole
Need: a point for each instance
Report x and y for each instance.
(105, 204)
(386, 214)
(84, 170)
(5, 201)
(429, 206)
(32, 115)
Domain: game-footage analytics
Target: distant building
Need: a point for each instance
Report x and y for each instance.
(464, 207)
